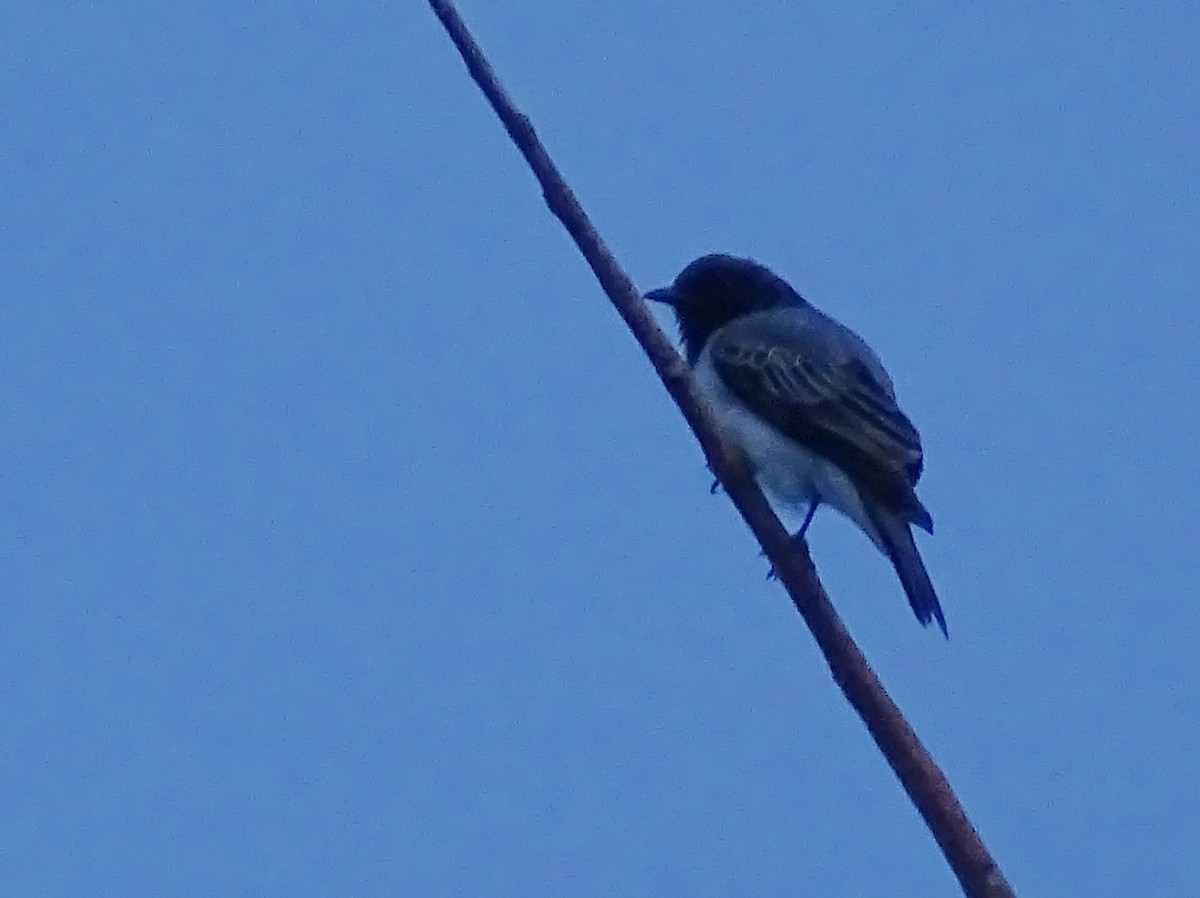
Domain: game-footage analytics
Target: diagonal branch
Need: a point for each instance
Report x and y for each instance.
(921, 778)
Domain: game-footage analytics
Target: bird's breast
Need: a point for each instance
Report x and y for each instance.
(785, 470)
(791, 475)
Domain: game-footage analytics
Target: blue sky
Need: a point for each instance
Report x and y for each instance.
(348, 545)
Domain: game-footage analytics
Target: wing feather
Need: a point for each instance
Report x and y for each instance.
(830, 402)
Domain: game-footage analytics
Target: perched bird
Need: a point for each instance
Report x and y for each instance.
(809, 406)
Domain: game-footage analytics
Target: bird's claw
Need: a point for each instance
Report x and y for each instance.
(797, 538)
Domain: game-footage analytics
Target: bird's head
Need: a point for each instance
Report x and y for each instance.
(714, 290)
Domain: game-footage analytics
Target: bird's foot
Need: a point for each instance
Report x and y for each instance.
(798, 536)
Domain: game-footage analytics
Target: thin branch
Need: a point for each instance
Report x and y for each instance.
(920, 776)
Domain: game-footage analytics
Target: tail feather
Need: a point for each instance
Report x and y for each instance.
(902, 550)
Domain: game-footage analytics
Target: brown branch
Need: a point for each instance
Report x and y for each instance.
(922, 779)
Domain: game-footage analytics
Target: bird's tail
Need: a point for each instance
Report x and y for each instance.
(902, 550)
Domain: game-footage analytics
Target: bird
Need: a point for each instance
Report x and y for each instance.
(808, 405)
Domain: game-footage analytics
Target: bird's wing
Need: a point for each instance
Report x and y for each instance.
(812, 388)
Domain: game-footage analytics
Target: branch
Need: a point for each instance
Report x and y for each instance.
(921, 778)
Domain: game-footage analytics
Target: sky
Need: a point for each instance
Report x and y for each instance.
(350, 546)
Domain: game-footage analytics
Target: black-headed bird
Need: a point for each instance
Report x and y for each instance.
(809, 406)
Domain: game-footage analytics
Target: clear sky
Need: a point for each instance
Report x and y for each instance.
(349, 546)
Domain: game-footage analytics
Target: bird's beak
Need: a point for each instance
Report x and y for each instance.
(664, 295)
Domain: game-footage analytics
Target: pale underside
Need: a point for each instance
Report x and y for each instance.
(790, 476)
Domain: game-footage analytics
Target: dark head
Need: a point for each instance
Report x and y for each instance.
(714, 290)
